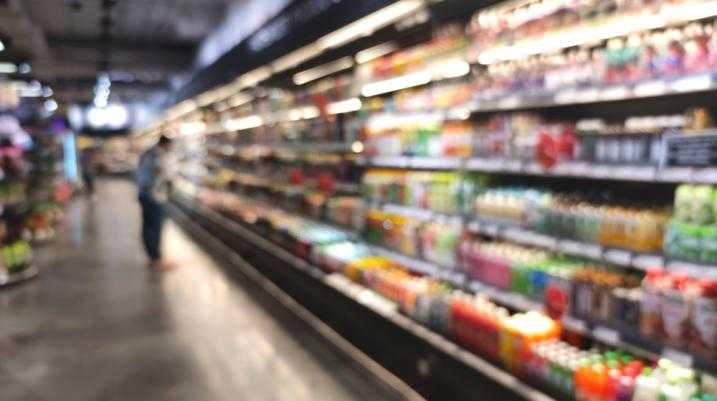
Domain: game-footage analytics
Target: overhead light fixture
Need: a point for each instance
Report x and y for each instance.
(296, 57)
(50, 105)
(321, 71)
(240, 99)
(47, 91)
(372, 53)
(345, 106)
(8, 68)
(395, 84)
(24, 68)
(255, 76)
(239, 124)
(371, 23)
(2, 46)
(192, 128)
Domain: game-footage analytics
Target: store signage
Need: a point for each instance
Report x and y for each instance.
(691, 150)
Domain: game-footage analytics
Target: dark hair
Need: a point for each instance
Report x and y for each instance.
(164, 140)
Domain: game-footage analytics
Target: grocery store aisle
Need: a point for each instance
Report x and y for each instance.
(98, 326)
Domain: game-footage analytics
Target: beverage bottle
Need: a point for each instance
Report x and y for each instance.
(651, 311)
(704, 319)
(676, 310)
(647, 386)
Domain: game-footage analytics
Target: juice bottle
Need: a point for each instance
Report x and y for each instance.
(676, 310)
(647, 386)
(704, 319)
(651, 311)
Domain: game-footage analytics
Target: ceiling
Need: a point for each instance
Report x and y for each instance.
(143, 44)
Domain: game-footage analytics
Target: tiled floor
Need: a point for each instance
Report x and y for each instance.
(96, 325)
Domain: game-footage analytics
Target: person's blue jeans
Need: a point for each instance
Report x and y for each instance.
(152, 219)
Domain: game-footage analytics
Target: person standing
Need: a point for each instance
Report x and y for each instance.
(88, 164)
(153, 186)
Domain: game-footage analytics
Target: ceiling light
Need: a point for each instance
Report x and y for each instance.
(255, 76)
(8, 68)
(372, 53)
(243, 123)
(315, 73)
(371, 23)
(50, 105)
(240, 99)
(345, 106)
(47, 91)
(296, 57)
(395, 84)
(24, 68)
(2, 46)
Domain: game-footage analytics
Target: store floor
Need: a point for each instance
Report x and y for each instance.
(97, 326)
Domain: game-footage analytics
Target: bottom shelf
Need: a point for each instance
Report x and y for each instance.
(15, 278)
(431, 364)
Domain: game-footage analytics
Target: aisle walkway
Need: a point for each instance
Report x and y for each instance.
(97, 326)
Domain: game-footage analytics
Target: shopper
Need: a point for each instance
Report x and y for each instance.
(88, 164)
(153, 184)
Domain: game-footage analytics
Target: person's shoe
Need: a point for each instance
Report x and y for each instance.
(162, 265)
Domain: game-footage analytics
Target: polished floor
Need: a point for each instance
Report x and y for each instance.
(97, 326)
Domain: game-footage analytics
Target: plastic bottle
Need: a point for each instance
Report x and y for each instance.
(647, 386)
(704, 320)
(651, 311)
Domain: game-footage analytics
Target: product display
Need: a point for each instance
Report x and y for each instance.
(461, 175)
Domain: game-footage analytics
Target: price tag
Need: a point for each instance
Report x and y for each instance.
(645, 261)
(614, 93)
(509, 102)
(481, 164)
(651, 88)
(474, 227)
(676, 174)
(679, 357)
(705, 175)
(618, 256)
(692, 84)
(513, 165)
(578, 169)
(435, 162)
(607, 335)
(566, 96)
(588, 95)
(571, 247)
(598, 171)
(376, 302)
(534, 168)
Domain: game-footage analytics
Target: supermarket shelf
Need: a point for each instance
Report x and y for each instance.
(480, 374)
(565, 169)
(15, 278)
(513, 233)
(645, 89)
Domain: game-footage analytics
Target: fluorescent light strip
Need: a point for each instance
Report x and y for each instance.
(8, 68)
(240, 99)
(2, 46)
(345, 106)
(321, 71)
(371, 23)
(253, 77)
(296, 57)
(395, 84)
(372, 53)
(243, 123)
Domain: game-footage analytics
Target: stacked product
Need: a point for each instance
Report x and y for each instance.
(692, 232)
(681, 311)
